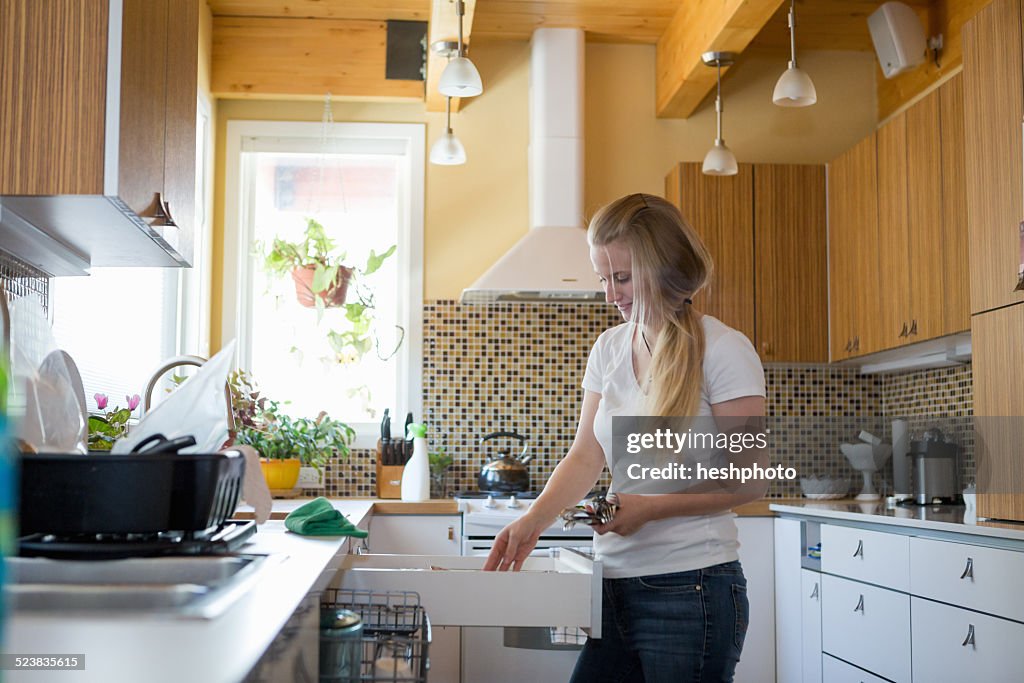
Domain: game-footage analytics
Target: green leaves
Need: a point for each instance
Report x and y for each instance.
(374, 262)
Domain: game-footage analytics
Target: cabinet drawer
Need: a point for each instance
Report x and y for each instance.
(956, 645)
(866, 625)
(871, 556)
(838, 671)
(985, 579)
(550, 591)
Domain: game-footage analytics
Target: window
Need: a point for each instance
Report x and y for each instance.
(364, 184)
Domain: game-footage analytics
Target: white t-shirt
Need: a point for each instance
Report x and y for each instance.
(732, 370)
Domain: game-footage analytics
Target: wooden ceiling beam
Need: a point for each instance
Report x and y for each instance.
(444, 25)
(682, 79)
(272, 57)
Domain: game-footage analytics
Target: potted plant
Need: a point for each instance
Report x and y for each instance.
(110, 425)
(322, 280)
(284, 443)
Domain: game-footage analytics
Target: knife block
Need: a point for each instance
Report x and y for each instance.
(389, 478)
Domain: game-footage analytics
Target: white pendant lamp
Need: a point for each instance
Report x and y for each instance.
(460, 77)
(447, 150)
(719, 160)
(794, 88)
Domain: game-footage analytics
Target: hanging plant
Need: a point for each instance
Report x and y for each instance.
(322, 280)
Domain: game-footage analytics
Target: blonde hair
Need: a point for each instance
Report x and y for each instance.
(670, 264)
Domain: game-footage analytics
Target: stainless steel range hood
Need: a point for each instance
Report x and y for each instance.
(552, 262)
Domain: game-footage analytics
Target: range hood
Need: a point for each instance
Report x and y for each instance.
(552, 262)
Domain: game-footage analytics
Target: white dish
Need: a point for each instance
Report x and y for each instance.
(824, 496)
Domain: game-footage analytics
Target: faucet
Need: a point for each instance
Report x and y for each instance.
(175, 362)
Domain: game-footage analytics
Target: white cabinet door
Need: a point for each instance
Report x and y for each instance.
(866, 625)
(872, 556)
(810, 625)
(984, 579)
(837, 671)
(415, 534)
(455, 591)
(788, 551)
(425, 535)
(756, 552)
(957, 645)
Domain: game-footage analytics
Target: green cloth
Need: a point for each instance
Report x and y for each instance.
(319, 518)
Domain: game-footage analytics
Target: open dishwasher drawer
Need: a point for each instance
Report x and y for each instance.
(562, 590)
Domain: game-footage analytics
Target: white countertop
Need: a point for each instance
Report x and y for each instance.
(146, 648)
(947, 518)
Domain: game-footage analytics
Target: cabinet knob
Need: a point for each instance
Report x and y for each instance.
(903, 332)
(969, 640)
(451, 533)
(766, 348)
(814, 593)
(160, 212)
(859, 552)
(968, 570)
(913, 327)
(856, 343)
(849, 345)
(860, 605)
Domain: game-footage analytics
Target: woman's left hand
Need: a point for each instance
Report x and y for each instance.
(634, 511)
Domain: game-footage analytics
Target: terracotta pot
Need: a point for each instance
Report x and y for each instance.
(333, 296)
(281, 474)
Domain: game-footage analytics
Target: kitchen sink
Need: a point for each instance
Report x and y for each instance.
(184, 587)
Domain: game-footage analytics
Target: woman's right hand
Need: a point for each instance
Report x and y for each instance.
(513, 545)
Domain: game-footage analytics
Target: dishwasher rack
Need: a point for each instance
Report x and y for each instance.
(395, 637)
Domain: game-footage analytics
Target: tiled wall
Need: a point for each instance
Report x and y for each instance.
(519, 366)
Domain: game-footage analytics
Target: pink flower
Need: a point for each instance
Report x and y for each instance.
(101, 401)
(133, 401)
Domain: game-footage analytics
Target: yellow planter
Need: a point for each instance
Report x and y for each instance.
(280, 474)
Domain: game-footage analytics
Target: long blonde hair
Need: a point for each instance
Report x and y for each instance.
(670, 264)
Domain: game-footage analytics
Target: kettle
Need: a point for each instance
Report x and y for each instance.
(506, 474)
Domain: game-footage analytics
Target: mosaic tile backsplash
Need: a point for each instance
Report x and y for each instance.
(519, 366)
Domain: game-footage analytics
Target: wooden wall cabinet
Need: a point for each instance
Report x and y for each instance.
(98, 131)
(765, 228)
(914, 181)
(854, 295)
(993, 110)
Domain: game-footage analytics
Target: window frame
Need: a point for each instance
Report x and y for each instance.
(238, 265)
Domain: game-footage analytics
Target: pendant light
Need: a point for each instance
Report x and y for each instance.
(719, 160)
(460, 78)
(794, 88)
(447, 150)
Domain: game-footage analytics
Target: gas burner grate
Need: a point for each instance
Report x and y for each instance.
(227, 538)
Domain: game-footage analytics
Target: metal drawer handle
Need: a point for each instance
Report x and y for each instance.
(859, 552)
(969, 640)
(968, 570)
(903, 333)
(860, 605)
(814, 593)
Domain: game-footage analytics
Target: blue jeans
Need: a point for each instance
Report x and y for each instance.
(681, 627)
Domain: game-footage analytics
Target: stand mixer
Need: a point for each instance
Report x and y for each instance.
(867, 457)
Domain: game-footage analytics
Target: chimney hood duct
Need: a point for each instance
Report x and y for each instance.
(552, 262)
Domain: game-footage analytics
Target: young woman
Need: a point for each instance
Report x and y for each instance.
(674, 600)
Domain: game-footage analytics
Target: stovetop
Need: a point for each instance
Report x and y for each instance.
(475, 494)
(227, 538)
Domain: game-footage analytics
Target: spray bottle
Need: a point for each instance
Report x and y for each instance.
(416, 476)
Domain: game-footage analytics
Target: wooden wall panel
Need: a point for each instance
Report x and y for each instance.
(894, 263)
(269, 57)
(52, 96)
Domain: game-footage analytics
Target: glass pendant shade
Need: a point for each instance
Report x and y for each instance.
(460, 79)
(794, 89)
(720, 160)
(447, 151)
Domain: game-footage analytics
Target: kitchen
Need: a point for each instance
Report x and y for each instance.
(481, 369)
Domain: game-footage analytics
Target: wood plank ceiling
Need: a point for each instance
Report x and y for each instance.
(822, 25)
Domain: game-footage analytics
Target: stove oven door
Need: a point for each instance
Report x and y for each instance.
(563, 589)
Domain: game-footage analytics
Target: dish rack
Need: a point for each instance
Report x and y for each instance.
(396, 633)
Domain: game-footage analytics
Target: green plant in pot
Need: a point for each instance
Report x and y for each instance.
(322, 280)
(284, 443)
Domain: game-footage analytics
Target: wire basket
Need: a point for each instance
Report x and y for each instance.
(396, 634)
